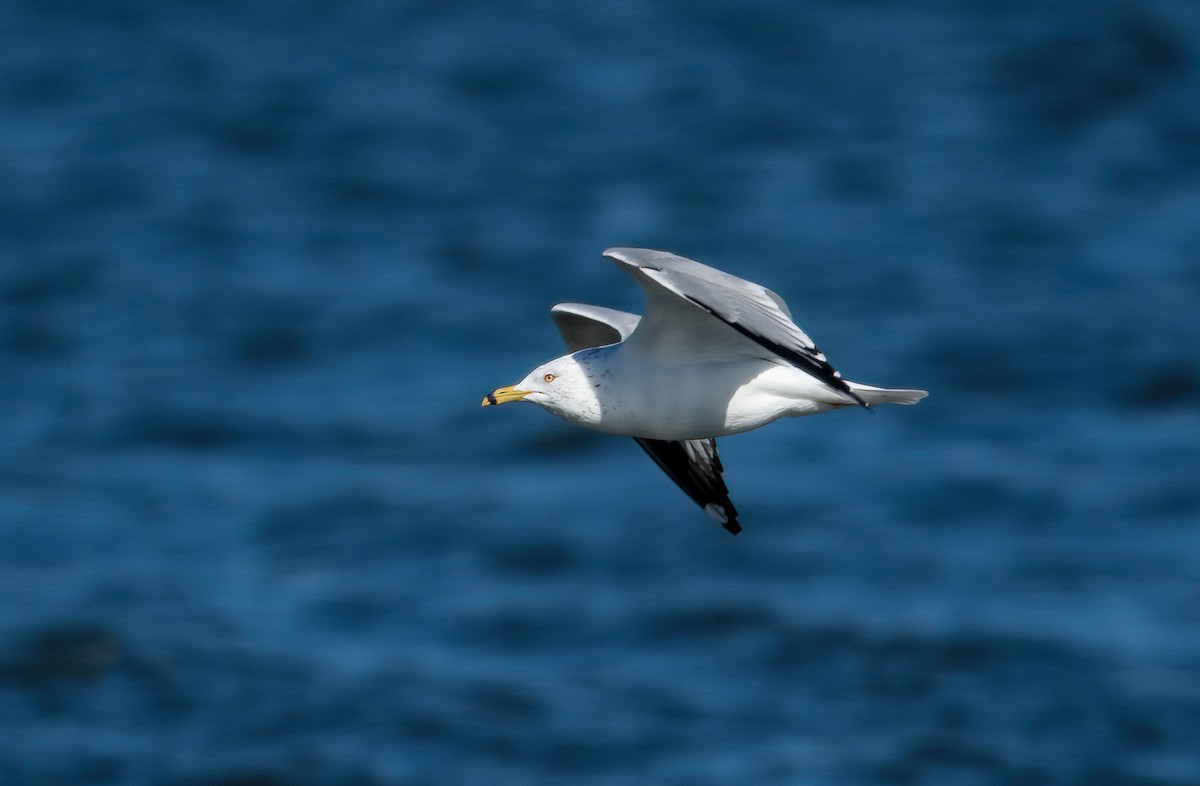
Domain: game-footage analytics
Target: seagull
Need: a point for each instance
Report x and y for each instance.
(713, 355)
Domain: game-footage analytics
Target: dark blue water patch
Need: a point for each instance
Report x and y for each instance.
(1171, 385)
(516, 630)
(1061, 571)
(78, 671)
(42, 86)
(37, 337)
(270, 123)
(352, 529)
(536, 558)
(247, 777)
(712, 619)
(942, 758)
(274, 345)
(199, 430)
(54, 278)
(260, 331)
(954, 501)
(75, 653)
(99, 768)
(355, 613)
(497, 702)
(1078, 719)
(1077, 74)
(982, 366)
(252, 431)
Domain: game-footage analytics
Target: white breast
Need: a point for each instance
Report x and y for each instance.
(661, 400)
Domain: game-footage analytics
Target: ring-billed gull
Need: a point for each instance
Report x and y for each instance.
(713, 355)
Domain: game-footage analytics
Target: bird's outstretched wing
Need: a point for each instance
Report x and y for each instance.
(693, 464)
(683, 296)
(583, 326)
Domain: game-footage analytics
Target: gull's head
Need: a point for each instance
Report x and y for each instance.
(561, 386)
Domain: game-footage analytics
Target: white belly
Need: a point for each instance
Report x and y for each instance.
(777, 392)
(700, 401)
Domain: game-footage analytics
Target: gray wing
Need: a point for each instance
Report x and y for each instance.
(682, 294)
(583, 326)
(692, 464)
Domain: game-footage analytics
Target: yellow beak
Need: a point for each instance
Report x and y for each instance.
(504, 395)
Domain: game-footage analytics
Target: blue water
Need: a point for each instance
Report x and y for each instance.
(260, 261)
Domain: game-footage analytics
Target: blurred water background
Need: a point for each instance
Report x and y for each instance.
(259, 261)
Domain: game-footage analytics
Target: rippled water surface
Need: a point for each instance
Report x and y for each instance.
(260, 261)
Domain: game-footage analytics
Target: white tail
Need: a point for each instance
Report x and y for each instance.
(873, 395)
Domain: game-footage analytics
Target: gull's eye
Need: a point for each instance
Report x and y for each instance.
(548, 378)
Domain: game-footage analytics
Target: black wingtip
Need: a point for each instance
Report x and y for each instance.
(733, 527)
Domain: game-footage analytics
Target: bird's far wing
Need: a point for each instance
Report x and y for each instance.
(583, 326)
(695, 466)
(677, 289)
